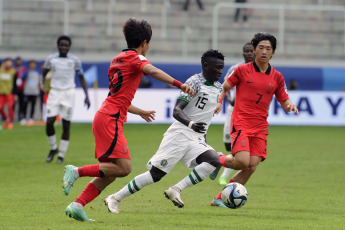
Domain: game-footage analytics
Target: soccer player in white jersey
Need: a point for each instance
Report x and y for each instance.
(248, 56)
(64, 67)
(185, 139)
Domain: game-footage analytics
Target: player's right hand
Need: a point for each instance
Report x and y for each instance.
(187, 89)
(199, 127)
(218, 108)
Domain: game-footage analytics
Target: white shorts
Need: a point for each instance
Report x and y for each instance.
(226, 130)
(177, 147)
(61, 102)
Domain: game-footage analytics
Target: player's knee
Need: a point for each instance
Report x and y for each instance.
(213, 160)
(157, 174)
(242, 164)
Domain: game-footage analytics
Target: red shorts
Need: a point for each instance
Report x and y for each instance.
(109, 139)
(256, 145)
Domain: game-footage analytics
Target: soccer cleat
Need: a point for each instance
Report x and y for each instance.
(68, 179)
(51, 155)
(112, 204)
(214, 174)
(218, 203)
(174, 194)
(222, 181)
(60, 160)
(77, 213)
(10, 126)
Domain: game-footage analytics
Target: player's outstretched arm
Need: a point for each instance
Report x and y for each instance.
(164, 77)
(84, 86)
(288, 106)
(147, 115)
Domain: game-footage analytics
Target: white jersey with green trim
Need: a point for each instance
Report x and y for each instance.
(63, 70)
(201, 105)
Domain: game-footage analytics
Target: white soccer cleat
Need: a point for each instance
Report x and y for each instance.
(112, 204)
(174, 194)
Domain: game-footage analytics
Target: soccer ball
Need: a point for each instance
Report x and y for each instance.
(234, 195)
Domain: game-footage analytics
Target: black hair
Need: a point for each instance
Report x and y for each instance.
(264, 36)
(136, 31)
(64, 37)
(247, 44)
(211, 54)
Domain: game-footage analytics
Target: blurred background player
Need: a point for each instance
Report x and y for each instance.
(31, 92)
(185, 139)
(256, 83)
(111, 150)
(248, 55)
(7, 92)
(60, 101)
(20, 83)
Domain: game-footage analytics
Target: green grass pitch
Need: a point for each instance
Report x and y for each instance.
(300, 185)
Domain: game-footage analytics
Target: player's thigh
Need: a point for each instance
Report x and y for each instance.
(195, 148)
(110, 142)
(67, 104)
(171, 150)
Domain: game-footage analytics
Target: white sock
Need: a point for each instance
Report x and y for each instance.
(134, 186)
(63, 147)
(226, 173)
(52, 142)
(198, 174)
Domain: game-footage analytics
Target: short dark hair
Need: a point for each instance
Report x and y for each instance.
(64, 37)
(264, 36)
(136, 31)
(211, 54)
(247, 44)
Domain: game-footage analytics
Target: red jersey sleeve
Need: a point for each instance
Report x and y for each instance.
(139, 62)
(235, 77)
(281, 92)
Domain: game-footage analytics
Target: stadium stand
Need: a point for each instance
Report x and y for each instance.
(34, 25)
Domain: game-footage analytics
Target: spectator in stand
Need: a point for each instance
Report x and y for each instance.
(20, 70)
(31, 92)
(237, 13)
(7, 89)
(186, 5)
(293, 85)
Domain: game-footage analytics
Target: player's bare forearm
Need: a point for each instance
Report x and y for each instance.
(85, 88)
(164, 77)
(147, 115)
(179, 114)
(288, 106)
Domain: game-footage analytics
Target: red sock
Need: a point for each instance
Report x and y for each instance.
(89, 170)
(231, 180)
(222, 160)
(89, 193)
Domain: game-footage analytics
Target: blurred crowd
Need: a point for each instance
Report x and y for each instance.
(22, 92)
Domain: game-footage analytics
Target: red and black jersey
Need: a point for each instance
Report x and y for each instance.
(254, 92)
(124, 74)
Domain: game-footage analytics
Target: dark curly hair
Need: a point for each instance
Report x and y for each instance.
(136, 31)
(64, 37)
(264, 36)
(211, 54)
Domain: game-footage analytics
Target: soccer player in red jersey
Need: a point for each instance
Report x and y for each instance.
(256, 83)
(111, 149)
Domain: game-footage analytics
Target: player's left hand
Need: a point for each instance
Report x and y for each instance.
(187, 89)
(292, 108)
(148, 116)
(87, 102)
